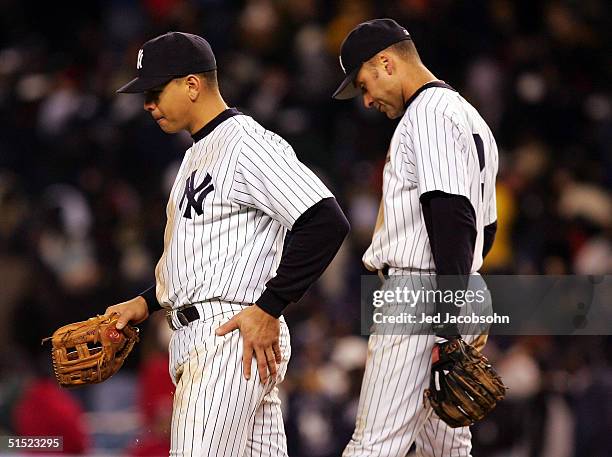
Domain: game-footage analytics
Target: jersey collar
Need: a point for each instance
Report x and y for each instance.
(427, 86)
(223, 116)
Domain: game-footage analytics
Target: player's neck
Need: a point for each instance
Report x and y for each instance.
(418, 77)
(205, 111)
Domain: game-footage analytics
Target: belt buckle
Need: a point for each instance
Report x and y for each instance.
(182, 318)
(169, 320)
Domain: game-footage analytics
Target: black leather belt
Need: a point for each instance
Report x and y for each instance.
(383, 273)
(184, 315)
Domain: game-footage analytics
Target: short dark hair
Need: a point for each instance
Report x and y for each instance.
(405, 49)
(210, 77)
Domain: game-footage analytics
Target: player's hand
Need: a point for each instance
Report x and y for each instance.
(260, 335)
(134, 311)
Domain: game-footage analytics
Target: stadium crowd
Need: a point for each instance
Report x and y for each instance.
(85, 173)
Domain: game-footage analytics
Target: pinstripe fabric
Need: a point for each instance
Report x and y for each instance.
(237, 192)
(441, 143)
(390, 411)
(216, 411)
(391, 415)
(439, 440)
(432, 148)
(233, 248)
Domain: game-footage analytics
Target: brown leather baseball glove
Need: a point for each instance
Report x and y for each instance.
(464, 387)
(91, 351)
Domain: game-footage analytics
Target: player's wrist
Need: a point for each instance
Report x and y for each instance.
(447, 332)
(271, 303)
(266, 311)
(150, 300)
(142, 303)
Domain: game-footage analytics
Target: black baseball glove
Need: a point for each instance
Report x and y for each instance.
(464, 387)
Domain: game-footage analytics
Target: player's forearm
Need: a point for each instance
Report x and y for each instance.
(315, 239)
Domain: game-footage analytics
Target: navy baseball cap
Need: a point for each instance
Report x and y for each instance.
(360, 45)
(170, 56)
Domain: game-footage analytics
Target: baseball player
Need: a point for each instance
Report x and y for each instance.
(238, 191)
(437, 216)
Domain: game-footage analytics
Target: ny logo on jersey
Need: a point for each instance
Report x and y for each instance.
(139, 60)
(191, 194)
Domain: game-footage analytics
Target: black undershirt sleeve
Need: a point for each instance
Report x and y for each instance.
(451, 226)
(489, 238)
(152, 303)
(315, 238)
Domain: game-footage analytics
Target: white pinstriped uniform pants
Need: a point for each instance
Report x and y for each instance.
(391, 415)
(216, 411)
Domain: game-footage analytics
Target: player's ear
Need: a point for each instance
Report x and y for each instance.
(194, 86)
(387, 63)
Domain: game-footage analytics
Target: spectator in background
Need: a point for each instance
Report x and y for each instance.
(45, 410)
(61, 124)
(155, 394)
(36, 405)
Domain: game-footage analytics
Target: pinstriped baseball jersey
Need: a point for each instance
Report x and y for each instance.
(441, 143)
(237, 192)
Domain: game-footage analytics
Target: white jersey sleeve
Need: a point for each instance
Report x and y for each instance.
(490, 197)
(491, 208)
(268, 176)
(440, 153)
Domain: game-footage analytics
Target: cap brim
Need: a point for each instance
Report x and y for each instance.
(139, 85)
(347, 88)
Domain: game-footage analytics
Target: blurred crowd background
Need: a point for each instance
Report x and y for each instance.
(85, 173)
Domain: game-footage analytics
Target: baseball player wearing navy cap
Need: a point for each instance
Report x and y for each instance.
(239, 190)
(437, 217)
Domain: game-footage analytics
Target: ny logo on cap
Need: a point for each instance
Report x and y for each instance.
(341, 64)
(139, 61)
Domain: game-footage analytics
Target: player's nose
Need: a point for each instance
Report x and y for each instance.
(368, 100)
(149, 105)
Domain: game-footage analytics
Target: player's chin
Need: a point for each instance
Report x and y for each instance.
(393, 114)
(167, 127)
